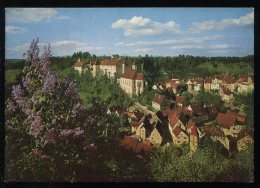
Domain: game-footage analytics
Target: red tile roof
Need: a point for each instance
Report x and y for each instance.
(117, 109)
(129, 143)
(229, 79)
(194, 131)
(111, 62)
(158, 98)
(212, 131)
(79, 64)
(239, 117)
(138, 115)
(197, 109)
(212, 110)
(208, 80)
(190, 123)
(177, 131)
(143, 146)
(139, 76)
(168, 112)
(226, 91)
(173, 120)
(180, 99)
(95, 62)
(244, 132)
(136, 124)
(225, 121)
(132, 74)
(175, 85)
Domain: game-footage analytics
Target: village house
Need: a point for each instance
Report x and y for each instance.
(156, 136)
(244, 139)
(229, 82)
(179, 136)
(226, 123)
(136, 145)
(112, 68)
(159, 102)
(132, 82)
(207, 84)
(194, 85)
(215, 84)
(212, 112)
(116, 110)
(226, 94)
(180, 101)
(80, 66)
(194, 136)
(174, 121)
(245, 84)
(214, 132)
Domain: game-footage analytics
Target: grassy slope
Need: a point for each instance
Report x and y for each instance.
(238, 68)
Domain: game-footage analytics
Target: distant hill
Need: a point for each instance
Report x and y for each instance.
(14, 64)
(236, 68)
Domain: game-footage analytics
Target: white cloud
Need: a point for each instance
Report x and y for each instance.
(221, 46)
(142, 50)
(209, 25)
(140, 26)
(61, 48)
(190, 40)
(186, 47)
(14, 29)
(28, 15)
(216, 47)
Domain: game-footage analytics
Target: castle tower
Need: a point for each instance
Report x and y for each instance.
(123, 66)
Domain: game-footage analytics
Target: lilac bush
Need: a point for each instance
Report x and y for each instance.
(48, 110)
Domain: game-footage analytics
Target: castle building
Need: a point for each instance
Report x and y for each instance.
(132, 82)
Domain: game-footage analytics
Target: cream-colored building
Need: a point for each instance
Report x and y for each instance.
(132, 82)
(80, 66)
(113, 68)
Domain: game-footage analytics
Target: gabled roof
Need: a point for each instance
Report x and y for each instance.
(180, 99)
(117, 109)
(143, 146)
(138, 115)
(208, 80)
(239, 117)
(158, 98)
(177, 131)
(168, 112)
(186, 111)
(136, 124)
(197, 109)
(173, 120)
(132, 74)
(244, 132)
(129, 142)
(225, 121)
(226, 91)
(190, 123)
(79, 64)
(212, 110)
(194, 131)
(96, 62)
(212, 131)
(111, 62)
(139, 76)
(229, 79)
(175, 85)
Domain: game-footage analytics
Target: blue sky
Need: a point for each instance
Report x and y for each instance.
(132, 31)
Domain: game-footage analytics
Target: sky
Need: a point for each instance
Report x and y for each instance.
(132, 31)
